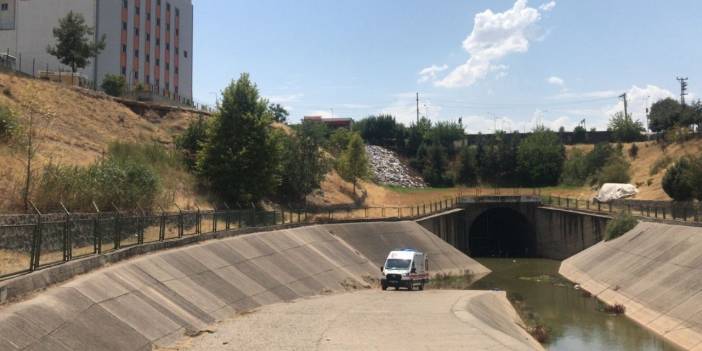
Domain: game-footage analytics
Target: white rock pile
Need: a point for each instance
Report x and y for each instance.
(387, 168)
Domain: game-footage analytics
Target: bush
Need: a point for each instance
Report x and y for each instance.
(624, 128)
(575, 169)
(114, 85)
(435, 166)
(540, 158)
(303, 167)
(152, 155)
(661, 163)
(598, 157)
(633, 151)
(616, 171)
(9, 126)
(126, 185)
(677, 182)
(466, 172)
(190, 142)
(620, 225)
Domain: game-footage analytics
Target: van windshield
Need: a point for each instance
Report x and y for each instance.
(396, 263)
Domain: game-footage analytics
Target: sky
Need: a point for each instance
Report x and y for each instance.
(509, 65)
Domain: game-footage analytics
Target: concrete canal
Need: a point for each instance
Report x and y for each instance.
(575, 321)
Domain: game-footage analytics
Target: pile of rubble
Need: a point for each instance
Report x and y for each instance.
(386, 168)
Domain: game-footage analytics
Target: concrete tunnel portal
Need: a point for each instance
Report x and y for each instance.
(501, 232)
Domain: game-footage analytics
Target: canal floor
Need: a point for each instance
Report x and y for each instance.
(575, 322)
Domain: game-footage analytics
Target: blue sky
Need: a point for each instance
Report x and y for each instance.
(507, 63)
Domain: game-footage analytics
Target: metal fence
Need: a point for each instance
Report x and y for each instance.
(36, 66)
(688, 212)
(44, 240)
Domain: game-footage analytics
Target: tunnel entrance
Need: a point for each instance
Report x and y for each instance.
(501, 232)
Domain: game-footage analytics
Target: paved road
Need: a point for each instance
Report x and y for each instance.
(375, 320)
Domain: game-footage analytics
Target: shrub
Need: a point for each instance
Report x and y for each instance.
(677, 182)
(190, 142)
(619, 225)
(303, 167)
(114, 85)
(152, 155)
(597, 158)
(615, 171)
(540, 158)
(8, 124)
(575, 170)
(126, 185)
(466, 172)
(615, 309)
(661, 163)
(435, 165)
(633, 151)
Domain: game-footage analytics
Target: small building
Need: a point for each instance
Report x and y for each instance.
(332, 123)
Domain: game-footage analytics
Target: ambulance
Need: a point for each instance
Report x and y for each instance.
(406, 268)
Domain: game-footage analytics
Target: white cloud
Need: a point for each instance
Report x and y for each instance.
(547, 6)
(598, 94)
(494, 36)
(638, 99)
(554, 80)
(430, 73)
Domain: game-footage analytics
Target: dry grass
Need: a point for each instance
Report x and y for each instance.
(649, 153)
(78, 133)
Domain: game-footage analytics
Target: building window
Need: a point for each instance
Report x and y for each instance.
(125, 4)
(158, 62)
(148, 58)
(148, 79)
(168, 66)
(124, 25)
(176, 70)
(177, 31)
(124, 48)
(176, 89)
(177, 12)
(168, 27)
(185, 53)
(124, 70)
(5, 7)
(158, 2)
(136, 10)
(176, 51)
(136, 31)
(136, 53)
(158, 22)
(148, 16)
(158, 42)
(148, 36)
(168, 46)
(136, 75)
(168, 6)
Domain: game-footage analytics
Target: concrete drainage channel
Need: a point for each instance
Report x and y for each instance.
(158, 298)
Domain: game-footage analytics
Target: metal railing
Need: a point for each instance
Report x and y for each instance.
(687, 212)
(42, 240)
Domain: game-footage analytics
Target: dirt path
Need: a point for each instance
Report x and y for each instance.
(375, 320)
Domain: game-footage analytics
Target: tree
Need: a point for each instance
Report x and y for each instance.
(354, 161)
(338, 141)
(624, 128)
(381, 130)
(466, 168)
(447, 134)
(190, 142)
(435, 166)
(416, 136)
(633, 151)
(677, 181)
(598, 157)
(38, 121)
(498, 158)
(540, 158)
(579, 134)
(74, 47)
(303, 166)
(114, 85)
(280, 114)
(575, 169)
(664, 114)
(616, 170)
(239, 160)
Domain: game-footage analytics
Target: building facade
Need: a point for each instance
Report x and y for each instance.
(149, 42)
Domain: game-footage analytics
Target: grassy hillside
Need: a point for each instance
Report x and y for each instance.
(78, 130)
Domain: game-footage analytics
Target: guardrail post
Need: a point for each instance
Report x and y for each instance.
(36, 241)
(97, 235)
(599, 206)
(141, 225)
(587, 204)
(663, 212)
(282, 212)
(67, 242)
(162, 226)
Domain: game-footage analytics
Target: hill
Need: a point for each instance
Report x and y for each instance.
(80, 126)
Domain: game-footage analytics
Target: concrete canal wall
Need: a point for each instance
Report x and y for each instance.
(155, 299)
(655, 271)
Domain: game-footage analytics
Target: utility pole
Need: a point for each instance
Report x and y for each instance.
(626, 106)
(683, 89)
(417, 108)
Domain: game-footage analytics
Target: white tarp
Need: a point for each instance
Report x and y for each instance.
(611, 191)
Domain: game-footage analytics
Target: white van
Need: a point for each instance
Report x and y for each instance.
(405, 268)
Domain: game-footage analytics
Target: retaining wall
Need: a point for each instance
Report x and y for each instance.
(154, 299)
(655, 271)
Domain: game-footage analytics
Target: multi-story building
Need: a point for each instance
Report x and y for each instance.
(149, 42)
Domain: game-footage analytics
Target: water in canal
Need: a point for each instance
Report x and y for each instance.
(575, 322)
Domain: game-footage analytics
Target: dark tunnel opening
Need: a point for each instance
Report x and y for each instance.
(502, 232)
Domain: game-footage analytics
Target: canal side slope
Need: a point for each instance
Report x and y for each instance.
(655, 271)
(155, 299)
